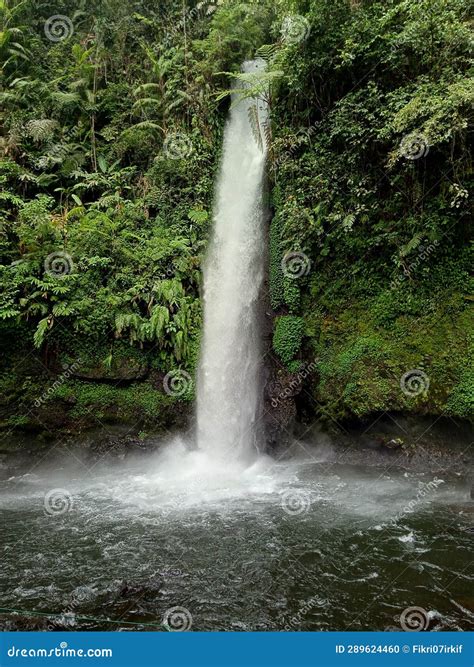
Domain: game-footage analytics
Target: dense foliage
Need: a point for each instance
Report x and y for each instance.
(112, 132)
(373, 177)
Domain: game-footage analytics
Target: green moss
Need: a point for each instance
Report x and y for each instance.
(461, 400)
(295, 366)
(287, 337)
(361, 364)
(292, 295)
(140, 401)
(277, 296)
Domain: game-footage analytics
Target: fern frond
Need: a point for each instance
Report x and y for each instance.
(268, 52)
(41, 329)
(255, 125)
(41, 129)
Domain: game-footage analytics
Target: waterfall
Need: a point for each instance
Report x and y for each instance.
(229, 386)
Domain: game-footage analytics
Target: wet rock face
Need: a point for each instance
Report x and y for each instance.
(111, 446)
(281, 388)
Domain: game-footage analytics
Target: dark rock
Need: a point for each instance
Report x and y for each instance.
(122, 369)
(281, 387)
(394, 443)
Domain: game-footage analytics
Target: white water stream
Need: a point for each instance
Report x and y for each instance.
(229, 389)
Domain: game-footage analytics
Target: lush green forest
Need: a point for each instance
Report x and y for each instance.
(113, 115)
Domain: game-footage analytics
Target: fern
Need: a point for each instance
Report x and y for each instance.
(8, 313)
(411, 245)
(144, 125)
(65, 99)
(198, 216)
(40, 130)
(146, 101)
(267, 133)
(255, 125)
(160, 317)
(41, 329)
(63, 309)
(268, 52)
(146, 86)
(13, 199)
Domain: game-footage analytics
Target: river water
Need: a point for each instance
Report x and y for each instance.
(299, 544)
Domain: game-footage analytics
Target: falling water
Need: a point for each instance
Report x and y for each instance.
(229, 389)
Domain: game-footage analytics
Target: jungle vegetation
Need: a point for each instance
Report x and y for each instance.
(112, 120)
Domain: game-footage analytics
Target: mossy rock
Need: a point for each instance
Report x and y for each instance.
(120, 370)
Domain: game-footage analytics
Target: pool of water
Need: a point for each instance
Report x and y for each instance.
(176, 541)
